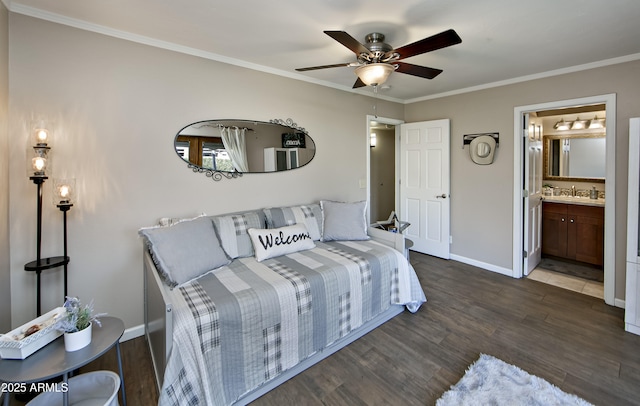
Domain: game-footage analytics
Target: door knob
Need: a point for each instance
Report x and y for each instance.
(442, 196)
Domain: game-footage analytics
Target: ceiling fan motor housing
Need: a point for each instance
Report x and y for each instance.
(379, 51)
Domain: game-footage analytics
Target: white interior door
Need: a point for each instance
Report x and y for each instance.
(424, 185)
(533, 198)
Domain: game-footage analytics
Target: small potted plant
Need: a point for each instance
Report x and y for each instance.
(76, 323)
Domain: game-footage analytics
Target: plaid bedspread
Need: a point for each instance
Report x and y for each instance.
(243, 324)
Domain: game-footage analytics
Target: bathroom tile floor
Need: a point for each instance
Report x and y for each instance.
(569, 282)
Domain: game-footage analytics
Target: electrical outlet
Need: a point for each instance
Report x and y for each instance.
(362, 183)
(450, 239)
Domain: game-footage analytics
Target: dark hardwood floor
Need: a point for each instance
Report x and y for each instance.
(574, 341)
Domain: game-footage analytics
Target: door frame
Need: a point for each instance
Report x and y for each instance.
(396, 123)
(610, 186)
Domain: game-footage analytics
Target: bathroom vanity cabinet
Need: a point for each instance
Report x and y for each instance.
(574, 232)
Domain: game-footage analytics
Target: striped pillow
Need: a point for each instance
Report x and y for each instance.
(309, 215)
(233, 232)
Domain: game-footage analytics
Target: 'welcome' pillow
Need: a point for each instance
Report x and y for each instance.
(273, 242)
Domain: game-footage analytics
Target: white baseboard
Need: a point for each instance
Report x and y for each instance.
(132, 332)
(483, 265)
(632, 328)
(508, 272)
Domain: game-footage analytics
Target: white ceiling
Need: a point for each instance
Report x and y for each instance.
(503, 41)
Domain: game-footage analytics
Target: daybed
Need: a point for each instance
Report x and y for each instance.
(237, 304)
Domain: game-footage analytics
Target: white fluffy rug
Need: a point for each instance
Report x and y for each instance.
(490, 381)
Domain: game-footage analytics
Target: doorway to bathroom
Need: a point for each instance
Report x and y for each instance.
(540, 189)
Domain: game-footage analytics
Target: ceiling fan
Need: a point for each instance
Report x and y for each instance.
(376, 59)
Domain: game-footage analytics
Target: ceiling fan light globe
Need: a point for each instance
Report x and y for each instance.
(374, 74)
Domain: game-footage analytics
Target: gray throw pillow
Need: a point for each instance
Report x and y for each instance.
(185, 250)
(344, 221)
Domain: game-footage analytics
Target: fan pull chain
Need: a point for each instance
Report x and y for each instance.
(375, 104)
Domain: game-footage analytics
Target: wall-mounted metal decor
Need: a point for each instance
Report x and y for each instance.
(467, 138)
(230, 148)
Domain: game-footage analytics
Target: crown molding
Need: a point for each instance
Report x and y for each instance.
(140, 39)
(542, 75)
(100, 29)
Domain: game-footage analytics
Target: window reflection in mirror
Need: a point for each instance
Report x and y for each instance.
(205, 152)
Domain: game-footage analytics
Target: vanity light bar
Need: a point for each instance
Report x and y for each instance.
(578, 124)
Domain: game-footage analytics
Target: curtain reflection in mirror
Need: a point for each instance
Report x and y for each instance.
(236, 147)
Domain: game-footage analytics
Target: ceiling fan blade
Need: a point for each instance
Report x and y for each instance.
(416, 70)
(337, 65)
(359, 83)
(348, 41)
(438, 41)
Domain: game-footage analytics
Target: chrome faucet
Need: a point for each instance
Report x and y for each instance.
(573, 191)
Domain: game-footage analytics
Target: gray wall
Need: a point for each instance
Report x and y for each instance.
(117, 107)
(482, 196)
(5, 285)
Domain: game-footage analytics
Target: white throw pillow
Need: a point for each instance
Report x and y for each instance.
(273, 242)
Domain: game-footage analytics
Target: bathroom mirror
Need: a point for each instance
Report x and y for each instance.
(575, 157)
(230, 148)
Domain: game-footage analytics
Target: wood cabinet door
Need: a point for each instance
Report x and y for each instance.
(554, 233)
(588, 232)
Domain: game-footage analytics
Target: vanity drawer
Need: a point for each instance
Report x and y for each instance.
(586, 211)
(550, 207)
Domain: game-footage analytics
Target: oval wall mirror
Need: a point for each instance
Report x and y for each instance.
(230, 148)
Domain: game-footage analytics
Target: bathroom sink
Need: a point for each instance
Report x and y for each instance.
(575, 200)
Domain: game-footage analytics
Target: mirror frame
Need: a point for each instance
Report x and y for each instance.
(218, 175)
(547, 149)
